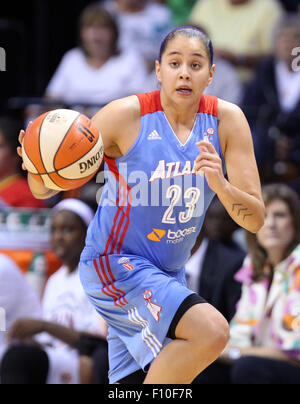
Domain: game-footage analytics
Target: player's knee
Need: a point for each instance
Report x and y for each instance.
(219, 332)
(213, 334)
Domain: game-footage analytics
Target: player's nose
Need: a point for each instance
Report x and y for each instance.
(184, 73)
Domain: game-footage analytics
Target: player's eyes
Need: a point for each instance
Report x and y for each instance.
(174, 64)
(196, 65)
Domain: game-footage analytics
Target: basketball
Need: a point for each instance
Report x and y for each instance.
(62, 149)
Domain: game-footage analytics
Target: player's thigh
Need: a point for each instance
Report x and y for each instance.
(202, 322)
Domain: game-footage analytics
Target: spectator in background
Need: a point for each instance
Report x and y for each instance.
(17, 298)
(181, 10)
(215, 260)
(14, 190)
(67, 313)
(142, 24)
(241, 30)
(272, 106)
(96, 72)
(226, 83)
(264, 344)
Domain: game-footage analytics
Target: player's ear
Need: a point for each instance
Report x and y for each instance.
(157, 69)
(211, 74)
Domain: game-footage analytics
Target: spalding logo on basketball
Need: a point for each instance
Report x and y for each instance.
(62, 149)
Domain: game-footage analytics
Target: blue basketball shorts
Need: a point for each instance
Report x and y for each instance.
(139, 302)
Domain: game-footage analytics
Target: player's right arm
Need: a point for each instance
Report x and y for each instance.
(118, 124)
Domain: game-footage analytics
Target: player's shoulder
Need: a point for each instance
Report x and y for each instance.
(118, 120)
(228, 110)
(232, 122)
(124, 108)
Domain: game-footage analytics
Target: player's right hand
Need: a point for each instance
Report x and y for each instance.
(19, 149)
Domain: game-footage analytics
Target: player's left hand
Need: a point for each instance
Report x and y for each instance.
(209, 163)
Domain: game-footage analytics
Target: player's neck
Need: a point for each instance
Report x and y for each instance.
(184, 114)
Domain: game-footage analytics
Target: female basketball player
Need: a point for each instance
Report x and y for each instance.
(132, 267)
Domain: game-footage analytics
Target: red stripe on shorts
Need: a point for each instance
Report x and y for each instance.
(117, 294)
(108, 292)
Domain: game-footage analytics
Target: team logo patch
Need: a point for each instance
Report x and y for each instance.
(128, 266)
(210, 131)
(157, 235)
(125, 262)
(154, 309)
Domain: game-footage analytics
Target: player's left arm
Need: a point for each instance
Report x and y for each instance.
(241, 193)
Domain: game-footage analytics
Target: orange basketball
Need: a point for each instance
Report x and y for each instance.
(62, 149)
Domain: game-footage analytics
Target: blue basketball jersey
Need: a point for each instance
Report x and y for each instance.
(153, 203)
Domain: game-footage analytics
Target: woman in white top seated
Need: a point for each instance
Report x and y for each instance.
(70, 330)
(96, 72)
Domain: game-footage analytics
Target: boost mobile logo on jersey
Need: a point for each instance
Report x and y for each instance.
(173, 237)
(157, 235)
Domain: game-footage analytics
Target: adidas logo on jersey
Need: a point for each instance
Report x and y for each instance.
(154, 136)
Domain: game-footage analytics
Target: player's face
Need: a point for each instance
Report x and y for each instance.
(184, 71)
(278, 230)
(67, 237)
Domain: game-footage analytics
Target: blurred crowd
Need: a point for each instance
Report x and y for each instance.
(53, 335)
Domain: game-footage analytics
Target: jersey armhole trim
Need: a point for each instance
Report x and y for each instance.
(150, 102)
(209, 105)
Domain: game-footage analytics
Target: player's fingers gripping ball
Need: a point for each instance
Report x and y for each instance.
(62, 149)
